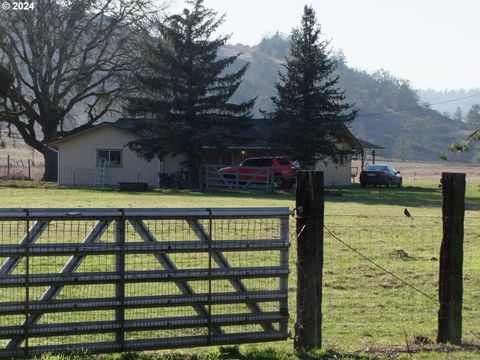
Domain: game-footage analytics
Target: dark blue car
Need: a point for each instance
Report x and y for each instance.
(380, 175)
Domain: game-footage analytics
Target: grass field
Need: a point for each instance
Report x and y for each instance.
(366, 309)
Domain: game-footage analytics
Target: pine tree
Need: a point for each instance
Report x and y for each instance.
(310, 112)
(185, 89)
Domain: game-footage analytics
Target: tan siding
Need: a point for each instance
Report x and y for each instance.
(171, 164)
(80, 153)
(335, 174)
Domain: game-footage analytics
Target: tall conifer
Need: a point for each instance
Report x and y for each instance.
(184, 90)
(310, 112)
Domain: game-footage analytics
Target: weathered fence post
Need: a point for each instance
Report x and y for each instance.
(451, 259)
(310, 208)
(29, 171)
(8, 166)
(120, 225)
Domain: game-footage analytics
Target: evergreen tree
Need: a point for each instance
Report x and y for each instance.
(184, 90)
(310, 112)
(473, 117)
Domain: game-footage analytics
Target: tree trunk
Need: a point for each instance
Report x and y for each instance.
(51, 164)
(51, 156)
(193, 170)
(192, 175)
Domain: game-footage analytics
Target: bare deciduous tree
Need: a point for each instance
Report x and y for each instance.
(70, 61)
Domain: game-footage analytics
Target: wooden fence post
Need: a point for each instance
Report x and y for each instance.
(310, 209)
(8, 166)
(451, 259)
(29, 171)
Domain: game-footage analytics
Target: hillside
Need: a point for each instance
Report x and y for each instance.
(390, 114)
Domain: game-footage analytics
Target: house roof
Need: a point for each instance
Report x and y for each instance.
(60, 140)
(134, 125)
(369, 146)
(257, 135)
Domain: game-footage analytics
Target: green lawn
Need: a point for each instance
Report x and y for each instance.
(364, 306)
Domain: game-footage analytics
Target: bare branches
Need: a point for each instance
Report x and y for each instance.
(69, 59)
(65, 51)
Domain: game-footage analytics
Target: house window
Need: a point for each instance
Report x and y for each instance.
(113, 158)
(342, 159)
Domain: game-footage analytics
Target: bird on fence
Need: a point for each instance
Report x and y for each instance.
(407, 214)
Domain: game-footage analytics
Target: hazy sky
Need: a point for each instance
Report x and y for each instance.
(432, 43)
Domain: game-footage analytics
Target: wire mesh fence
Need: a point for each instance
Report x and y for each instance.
(75, 279)
(81, 177)
(13, 168)
(380, 281)
(114, 280)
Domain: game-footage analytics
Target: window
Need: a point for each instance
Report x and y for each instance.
(283, 161)
(376, 168)
(113, 158)
(258, 162)
(342, 159)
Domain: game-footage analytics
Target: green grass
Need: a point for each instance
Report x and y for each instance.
(364, 307)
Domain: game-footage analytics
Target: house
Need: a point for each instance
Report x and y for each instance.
(100, 155)
(80, 157)
(338, 172)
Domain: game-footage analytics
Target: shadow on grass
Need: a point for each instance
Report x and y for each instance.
(408, 196)
(234, 353)
(427, 195)
(268, 353)
(455, 351)
(405, 196)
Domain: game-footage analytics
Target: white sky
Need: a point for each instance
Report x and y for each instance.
(432, 43)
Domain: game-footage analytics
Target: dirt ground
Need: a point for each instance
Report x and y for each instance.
(417, 170)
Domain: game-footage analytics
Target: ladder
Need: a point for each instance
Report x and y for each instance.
(101, 169)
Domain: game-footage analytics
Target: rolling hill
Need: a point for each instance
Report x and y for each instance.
(390, 111)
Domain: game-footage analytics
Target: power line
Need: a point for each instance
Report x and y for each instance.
(418, 106)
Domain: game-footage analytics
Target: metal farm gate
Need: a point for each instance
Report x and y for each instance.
(238, 178)
(111, 280)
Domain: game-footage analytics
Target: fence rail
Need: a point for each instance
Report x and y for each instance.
(238, 178)
(109, 280)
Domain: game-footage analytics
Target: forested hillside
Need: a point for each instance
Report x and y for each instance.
(390, 113)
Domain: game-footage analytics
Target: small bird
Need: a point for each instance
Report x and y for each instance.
(407, 214)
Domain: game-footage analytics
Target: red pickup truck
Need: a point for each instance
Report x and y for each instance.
(284, 170)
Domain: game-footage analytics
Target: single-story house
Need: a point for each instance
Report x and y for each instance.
(100, 156)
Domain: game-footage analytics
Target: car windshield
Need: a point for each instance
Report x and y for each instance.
(257, 162)
(376, 168)
(284, 161)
